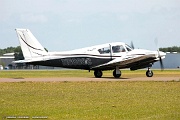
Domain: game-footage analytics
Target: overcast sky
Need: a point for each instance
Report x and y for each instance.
(69, 24)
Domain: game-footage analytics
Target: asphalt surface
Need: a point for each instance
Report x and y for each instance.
(88, 79)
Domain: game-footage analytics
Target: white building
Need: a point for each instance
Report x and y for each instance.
(6, 59)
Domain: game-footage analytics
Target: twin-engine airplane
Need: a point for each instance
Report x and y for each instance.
(110, 56)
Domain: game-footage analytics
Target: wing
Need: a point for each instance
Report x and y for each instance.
(128, 62)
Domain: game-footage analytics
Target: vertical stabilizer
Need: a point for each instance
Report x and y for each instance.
(30, 46)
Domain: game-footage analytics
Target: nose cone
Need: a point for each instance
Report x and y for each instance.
(162, 54)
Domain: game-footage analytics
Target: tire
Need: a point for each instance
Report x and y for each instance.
(98, 73)
(116, 75)
(149, 73)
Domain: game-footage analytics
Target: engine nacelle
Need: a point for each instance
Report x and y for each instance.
(141, 66)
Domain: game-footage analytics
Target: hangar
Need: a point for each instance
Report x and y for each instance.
(6, 59)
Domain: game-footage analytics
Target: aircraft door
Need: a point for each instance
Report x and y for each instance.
(118, 51)
(106, 51)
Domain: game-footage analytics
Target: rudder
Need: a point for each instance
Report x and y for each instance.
(30, 46)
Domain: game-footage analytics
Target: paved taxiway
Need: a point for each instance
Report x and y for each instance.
(88, 79)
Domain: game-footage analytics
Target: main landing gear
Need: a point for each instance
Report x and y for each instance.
(116, 73)
(98, 73)
(149, 73)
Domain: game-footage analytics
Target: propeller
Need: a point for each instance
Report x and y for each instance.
(159, 56)
(132, 45)
(160, 60)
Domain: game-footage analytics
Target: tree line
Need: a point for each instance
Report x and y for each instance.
(170, 49)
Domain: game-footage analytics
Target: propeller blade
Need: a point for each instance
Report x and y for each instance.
(132, 45)
(156, 43)
(160, 60)
(161, 64)
(159, 56)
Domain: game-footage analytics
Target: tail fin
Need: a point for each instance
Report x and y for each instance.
(30, 46)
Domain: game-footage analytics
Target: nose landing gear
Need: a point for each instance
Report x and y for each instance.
(149, 73)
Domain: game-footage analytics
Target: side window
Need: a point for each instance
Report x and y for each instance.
(118, 48)
(104, 50)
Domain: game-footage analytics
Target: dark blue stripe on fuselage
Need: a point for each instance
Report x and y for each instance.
(74, 62)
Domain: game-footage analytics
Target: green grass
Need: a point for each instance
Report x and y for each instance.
(91, 100)
(81, 73)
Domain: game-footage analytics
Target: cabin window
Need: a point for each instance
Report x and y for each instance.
(118, 48)
(104, 50)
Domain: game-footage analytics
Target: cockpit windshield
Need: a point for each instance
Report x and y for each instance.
(128, 48)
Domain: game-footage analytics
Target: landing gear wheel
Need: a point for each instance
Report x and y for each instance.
(149, 73)
(98, 73)
(116, 75)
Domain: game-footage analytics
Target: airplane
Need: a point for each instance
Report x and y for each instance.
(110, 56)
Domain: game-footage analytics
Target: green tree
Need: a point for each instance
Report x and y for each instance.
(18, 53)
(170, 49)
(17, 50)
